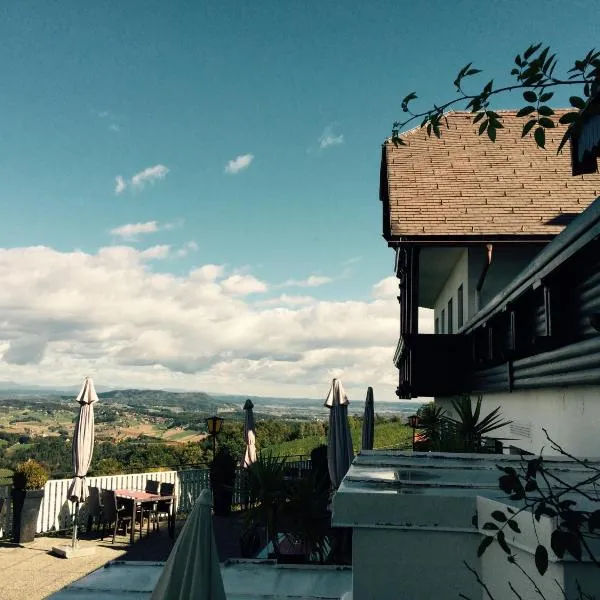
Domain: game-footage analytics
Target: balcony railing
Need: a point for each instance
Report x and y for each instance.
(56, 512)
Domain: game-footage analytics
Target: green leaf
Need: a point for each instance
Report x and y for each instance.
(530, 96)
(546, 122)
(490, 527)
(484, 545)
(499, 516)
(531, 485)
(577, 102)
(483, 126)
(478, 117)
(491, 131)
(526, 110)
(502, 541)
(540, 137)
(594, 521)
(541, 559)
(545, 97)
(472, 72)
(545, 111)
(569, 117)
(514, 526)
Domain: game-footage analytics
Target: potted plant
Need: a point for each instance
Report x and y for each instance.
(29, 479)
(222, 480)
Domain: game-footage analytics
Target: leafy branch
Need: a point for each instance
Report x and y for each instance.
(534, 73)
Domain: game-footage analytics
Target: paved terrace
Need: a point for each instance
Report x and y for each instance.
(31, 572)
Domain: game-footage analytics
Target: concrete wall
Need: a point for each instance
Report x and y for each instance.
(570, 415)
(398, 564)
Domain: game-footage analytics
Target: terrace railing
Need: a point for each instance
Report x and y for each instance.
(56, 512)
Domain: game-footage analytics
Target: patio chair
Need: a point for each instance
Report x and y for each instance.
(111, 513)
(94, 509)
(152, 487)
(165, 506)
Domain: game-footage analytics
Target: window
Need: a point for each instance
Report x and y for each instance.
(461, 315)
(443, 330)
(437, 324)
(450, 316)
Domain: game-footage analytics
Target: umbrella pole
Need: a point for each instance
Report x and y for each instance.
(75, 524)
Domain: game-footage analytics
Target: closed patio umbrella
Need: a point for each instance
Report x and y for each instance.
(249, 435)
(368, 425)
(339, 438)
(83, 447)
(192, 571)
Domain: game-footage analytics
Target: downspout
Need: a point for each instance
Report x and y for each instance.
(484, 272)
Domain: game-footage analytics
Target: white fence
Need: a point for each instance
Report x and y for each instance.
(56, 512)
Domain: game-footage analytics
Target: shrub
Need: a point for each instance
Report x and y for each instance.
(30, 475)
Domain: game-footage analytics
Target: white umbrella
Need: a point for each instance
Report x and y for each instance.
(339, 439)
(249, 435)
(368, 425)
(83, 447)
(192, 571)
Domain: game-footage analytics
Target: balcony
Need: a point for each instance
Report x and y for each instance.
(432, 365)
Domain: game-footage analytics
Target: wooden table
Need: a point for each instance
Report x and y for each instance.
(139, 498)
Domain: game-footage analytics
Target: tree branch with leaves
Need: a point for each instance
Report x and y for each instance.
(535, 75)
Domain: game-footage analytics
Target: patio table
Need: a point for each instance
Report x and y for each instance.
(139, 498)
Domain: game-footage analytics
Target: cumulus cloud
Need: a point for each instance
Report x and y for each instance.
(111, 315)
(156, 252)
(187, 248)
(239, 164)
(311, 281)
(132, 231)
(120, 185)
(139, 180)
(328, 138)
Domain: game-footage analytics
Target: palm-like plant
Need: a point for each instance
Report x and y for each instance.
(470, 426)
(265, 489)
(431, 421)
(306, 516)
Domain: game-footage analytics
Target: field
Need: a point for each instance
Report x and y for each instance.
(39, 422)
(387, 435)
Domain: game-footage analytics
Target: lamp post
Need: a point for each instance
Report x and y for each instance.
(413, 421)
(214, 424)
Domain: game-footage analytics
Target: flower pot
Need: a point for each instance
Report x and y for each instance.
(26, 507)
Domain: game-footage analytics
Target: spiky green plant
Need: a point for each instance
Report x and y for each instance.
(470, 427)
(264, 485)
(431, 420)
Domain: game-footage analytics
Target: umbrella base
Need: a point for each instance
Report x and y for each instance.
(68, 551)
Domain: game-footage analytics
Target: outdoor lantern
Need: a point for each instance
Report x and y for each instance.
(214, 425)
(413, 421)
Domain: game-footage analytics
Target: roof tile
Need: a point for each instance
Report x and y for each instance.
(432, 183)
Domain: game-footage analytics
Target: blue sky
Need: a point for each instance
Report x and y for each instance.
(174, 91)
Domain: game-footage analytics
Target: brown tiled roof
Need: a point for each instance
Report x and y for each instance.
(465, 185)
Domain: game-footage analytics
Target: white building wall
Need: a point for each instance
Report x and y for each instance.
(506, 264)
(570, 415)
(457, 277)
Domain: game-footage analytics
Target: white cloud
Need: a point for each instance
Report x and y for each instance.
(111, 315)
(120, 185)
(114, 127)
(139, 180)
(239, 163)
(156, 252)
(131, 231)
(328, 138)
(149, 175)
(187, 248)
(311, 281)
